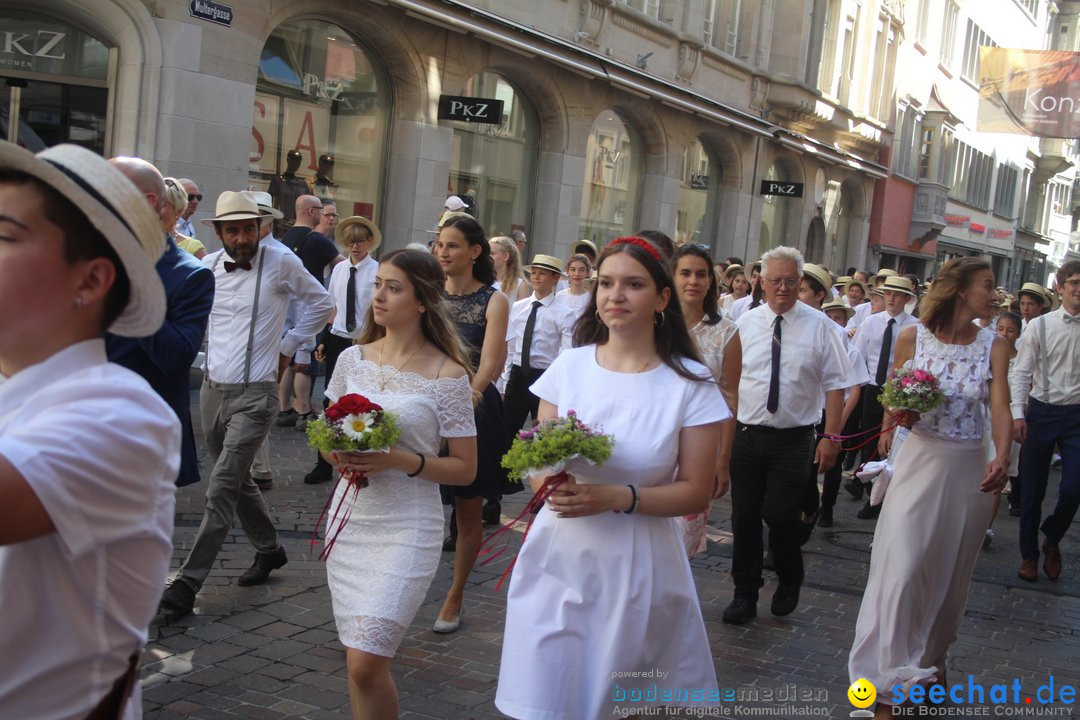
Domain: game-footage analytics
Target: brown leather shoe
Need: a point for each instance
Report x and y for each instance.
(1051, 561)
(1029, 570)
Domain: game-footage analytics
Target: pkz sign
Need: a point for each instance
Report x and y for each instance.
(470, 109)
(212, 12)
(779, 187)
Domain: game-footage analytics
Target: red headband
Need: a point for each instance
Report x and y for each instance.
(641, 243)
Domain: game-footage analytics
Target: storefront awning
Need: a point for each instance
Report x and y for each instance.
(981, 247)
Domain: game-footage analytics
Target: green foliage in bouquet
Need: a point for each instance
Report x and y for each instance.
(353, 423)
(553, 443)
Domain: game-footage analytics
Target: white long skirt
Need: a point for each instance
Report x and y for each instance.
(927, 540)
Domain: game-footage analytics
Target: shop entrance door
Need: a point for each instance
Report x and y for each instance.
(51, 113)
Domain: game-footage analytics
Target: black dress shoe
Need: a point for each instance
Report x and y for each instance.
(491, 513)
(449, 544)
(1014, 510)
(318, 475)
(854, 487)
(785, 600)
(178, 599)
(741, 611)
(869, 512)
(259, 572)
(824, 518)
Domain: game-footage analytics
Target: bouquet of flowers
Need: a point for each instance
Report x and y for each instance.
(915, 390)
(352, 424)
(549, 446)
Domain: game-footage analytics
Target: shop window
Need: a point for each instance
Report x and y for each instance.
(612, 184)
(320, 121)
(493, 166)
(776, 210)
(57, 83)
(694, 216)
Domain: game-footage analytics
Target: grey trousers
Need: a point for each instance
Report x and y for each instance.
(236, 419)
(260, 466)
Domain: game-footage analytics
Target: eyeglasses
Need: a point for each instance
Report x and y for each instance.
(789, 283)
(359, 241)
(195, 196)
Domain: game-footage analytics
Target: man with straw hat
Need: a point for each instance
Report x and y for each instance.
(89, 453)
(352, 285)
(540, 327)
(1034, 301)
(865, 310)
(245, 357)
(876, 340)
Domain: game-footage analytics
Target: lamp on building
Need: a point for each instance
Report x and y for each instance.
(643, 60)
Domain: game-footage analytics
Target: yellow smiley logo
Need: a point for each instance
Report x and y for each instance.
(862, 693)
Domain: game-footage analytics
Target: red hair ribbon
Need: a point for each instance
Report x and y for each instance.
(641, 243)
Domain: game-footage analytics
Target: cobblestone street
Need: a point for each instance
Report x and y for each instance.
(272, 651)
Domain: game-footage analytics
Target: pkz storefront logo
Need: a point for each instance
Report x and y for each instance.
(211, 12)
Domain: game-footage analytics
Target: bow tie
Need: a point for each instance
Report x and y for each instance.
(1070, 318)
(230, 266)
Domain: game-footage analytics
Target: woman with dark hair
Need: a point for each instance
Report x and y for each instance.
(576, 294)
(410, 361)
(602, 581)
(939, 500)
(735, 278)
(718, 342)
(480, 313)
(89, 453)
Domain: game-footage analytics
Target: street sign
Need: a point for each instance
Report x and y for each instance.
(779, 187)
(470, 109)
(211, 12)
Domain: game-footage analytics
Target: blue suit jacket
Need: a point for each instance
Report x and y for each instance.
(164, 359)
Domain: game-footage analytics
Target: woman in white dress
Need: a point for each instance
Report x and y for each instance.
(735, 278)
(577, 295)
(939, 501)
(410, 361)
(602, 584)
(717, 340)
(508, 278)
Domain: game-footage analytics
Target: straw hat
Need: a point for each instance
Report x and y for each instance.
(860, 283)
(731, 271)
(265, 203)
(842, 281)
(1038, 291)
(588, 245)
(234, 206)
(883, 273)
(376, 235)
(895, 283)
(116, 209)
(836, 304)
(819, 274)
(451, 214)
(546, 262)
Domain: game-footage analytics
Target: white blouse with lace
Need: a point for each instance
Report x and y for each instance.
(385, 556)
(964, 374)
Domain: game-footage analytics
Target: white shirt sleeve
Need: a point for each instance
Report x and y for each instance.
(313, 300)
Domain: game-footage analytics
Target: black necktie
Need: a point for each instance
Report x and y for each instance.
(350, 301)
(230, 266)
(526, 340)
(883, 358)
(774, 379)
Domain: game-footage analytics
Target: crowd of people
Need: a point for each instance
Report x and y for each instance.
(755, 378)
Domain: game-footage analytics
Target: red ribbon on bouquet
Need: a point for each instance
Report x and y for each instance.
(551, 484)
(357, 481)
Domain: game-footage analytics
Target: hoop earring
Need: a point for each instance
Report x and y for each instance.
(659, 320)
(598, 318)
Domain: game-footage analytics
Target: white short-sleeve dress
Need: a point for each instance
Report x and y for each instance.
(610, 593)
(386, 555)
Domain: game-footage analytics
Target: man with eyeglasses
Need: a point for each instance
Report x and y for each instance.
(183, 224)
(792, 356)
(328, 221)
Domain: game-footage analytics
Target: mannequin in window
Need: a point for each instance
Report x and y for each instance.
(324, 178)
(288, 186)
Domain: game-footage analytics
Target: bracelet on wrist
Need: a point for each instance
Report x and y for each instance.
(633, 500)
(423, 462)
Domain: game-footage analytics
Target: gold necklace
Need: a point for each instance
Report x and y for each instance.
(382, 375)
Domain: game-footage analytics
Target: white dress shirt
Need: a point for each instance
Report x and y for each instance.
(283, 279)
(1050, 373)
(552, 333)
(872, 333)
(365, 289)
(100, 450)
(185, 227)
(862, 311)
(740, 306)
(812, 361)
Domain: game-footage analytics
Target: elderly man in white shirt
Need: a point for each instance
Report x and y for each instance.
(791, 355)
(1045, 386)
(246, 355)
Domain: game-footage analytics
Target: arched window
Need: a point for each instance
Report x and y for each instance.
(57, 83)
(695, 215)
(612, 184)
(320, 123)
(493, 167)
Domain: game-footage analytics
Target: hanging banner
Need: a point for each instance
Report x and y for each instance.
(1034, 92)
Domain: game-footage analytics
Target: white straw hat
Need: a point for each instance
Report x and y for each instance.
(116, 209)
(234, 206)
(265, 203)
